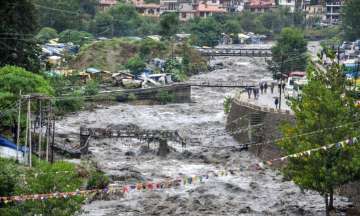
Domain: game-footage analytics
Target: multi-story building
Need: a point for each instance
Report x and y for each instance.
(260, 6)
(147, 9)
(288, 3)
(314, 11)
(333, 10)
(105, 4)
(169, 6)
(209, 8)
(187, 9)
(233, 6)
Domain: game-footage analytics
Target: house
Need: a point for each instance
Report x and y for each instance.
(208, 9)
(260, 6)
(105, 4)
(147, 9)
(98, 74)
(117, 78)
(187, 10)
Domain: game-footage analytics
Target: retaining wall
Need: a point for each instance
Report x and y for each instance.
(257, 124)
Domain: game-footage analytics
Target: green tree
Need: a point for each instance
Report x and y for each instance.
(17, 45)
(350, 19)
(289, 53)
(232, 26)
(206, 31)
(12, 80)
(65, 14)
(45, 34)
(76, 37)
(173, 67)
(136, 65)
(324, 105)
(169, 24)
(126, 20)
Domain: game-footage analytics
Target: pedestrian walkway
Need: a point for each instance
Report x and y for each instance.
(265, 99)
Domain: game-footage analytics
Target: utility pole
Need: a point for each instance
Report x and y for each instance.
(27, 135)
(53, 140)
(281, 75)
(40, 129)
(18, 128)
(29, 127)
(48, 131)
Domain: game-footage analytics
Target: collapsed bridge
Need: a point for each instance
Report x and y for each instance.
(132, 131)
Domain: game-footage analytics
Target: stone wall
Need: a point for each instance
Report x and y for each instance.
(254, 124)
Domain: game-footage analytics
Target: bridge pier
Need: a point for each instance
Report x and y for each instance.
(84, 140)
(163, 148)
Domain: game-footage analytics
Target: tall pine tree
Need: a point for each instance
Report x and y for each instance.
(17, 28)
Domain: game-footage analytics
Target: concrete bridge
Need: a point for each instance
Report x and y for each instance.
(248, 52)
(132, 131)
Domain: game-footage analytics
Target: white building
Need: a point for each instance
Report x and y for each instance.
(288, 3)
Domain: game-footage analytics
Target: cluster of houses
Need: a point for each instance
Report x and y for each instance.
(328, 11)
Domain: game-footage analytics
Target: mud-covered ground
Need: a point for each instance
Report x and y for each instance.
(250, 192)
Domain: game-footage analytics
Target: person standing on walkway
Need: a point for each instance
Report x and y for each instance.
(272, 86)
(276, 102)
(283, 87)
(255, 91)
(262, 87)
(265, 87)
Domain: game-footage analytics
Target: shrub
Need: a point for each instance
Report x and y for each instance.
(136, 65)
(72, 103)
(131, 97)
(91, 88)
(97, 180)
(227, 104)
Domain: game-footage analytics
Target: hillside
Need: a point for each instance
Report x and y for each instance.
(112, 55)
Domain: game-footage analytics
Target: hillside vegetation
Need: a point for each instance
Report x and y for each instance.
(114, 54)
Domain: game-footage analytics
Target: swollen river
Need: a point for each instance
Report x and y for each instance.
(248, 192)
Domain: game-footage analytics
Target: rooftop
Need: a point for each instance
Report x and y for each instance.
(210, 8)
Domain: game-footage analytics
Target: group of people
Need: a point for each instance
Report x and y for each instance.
(263, 87)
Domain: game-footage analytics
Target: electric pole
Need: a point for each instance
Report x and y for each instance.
(18, 128)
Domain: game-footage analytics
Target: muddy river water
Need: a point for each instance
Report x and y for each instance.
(249, 192)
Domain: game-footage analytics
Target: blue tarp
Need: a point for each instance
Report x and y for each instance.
(6, 143)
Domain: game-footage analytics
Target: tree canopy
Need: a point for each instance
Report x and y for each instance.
(17, 26)
(12, 80)
(350, 19)
(169, 24)
(326, 108)
(45, 34)
(289, 53)
(206, 31)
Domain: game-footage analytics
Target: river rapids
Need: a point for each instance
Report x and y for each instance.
(249, 192)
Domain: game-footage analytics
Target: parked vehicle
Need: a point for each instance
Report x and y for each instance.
(293, 76)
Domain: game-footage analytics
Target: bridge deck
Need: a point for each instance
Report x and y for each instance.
(250, 52)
